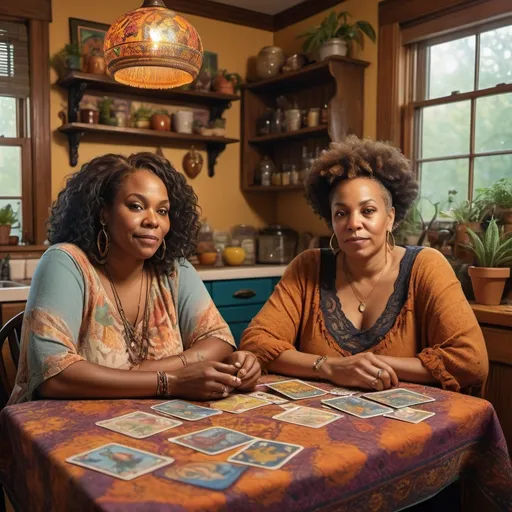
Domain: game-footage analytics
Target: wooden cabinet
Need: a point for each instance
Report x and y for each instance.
(496, 323)
(338, 82)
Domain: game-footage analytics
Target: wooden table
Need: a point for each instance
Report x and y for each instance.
(349, 465)
(496, 323)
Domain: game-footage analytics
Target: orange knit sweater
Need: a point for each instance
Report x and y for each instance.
(436, 323)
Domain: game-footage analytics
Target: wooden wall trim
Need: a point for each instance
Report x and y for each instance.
(223, 12)
(39, 35)
(27, 9)
(302, 11)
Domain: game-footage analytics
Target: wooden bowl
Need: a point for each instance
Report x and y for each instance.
(207, 258)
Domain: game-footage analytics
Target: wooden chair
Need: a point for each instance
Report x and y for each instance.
(11, 332)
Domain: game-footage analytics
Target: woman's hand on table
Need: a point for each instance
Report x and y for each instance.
(207, 380)
(249, 369)
(366, 371)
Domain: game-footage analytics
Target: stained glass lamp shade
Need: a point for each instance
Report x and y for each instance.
(153, 47)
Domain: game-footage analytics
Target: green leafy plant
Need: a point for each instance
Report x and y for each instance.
(234, 78)
(499, 194)
(337, 26)
(66, 59)
(219, 123)
(465, 211)
(493, 250)
(414, 224)
(162, 112)
(142, 113)
(8, 217)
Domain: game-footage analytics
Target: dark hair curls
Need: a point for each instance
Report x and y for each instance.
(75, 215)
(361, 158)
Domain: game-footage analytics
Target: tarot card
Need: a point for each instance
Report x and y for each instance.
(308, 417)
(341, 391)
(240, 403)
(213, 440)
(139, 424)
(184, 410)
(357, 406)
(289, 407)
(216, 476)
(267, 396)
(296, 389)
(398, 398)
(120, 461)
(266, 454)
(409, 415)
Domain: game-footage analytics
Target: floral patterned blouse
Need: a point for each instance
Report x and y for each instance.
(70, 318)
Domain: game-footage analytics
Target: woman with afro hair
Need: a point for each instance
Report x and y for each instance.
(114, 309)
(367, 313)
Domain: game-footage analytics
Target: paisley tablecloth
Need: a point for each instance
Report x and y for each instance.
(352, 464)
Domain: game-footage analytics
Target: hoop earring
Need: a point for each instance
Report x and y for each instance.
(163, 252)
(331, 245)
(390, 240)
(103, 234)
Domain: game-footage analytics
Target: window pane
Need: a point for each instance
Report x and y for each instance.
(495, 57)
(445, 130)
(437, 178)
(16, 206)
(8, 117)
(489, 169)
(10, 171)
(451, 67)
(494, 123)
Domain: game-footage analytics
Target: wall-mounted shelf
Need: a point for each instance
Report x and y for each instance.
(274, 188)
(77, 83)
(337, 82)
(303, 133)
(214, 145)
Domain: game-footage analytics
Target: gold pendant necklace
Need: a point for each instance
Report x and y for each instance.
(362, 302)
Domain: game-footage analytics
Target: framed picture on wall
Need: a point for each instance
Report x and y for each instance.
(89, 36)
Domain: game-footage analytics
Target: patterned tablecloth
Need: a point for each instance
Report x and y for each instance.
(352, 464)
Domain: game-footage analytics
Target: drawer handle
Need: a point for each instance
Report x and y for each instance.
(244, 294)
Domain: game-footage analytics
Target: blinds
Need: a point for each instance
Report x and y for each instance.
(14, 65)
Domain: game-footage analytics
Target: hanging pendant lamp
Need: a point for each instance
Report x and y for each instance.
(153, 47)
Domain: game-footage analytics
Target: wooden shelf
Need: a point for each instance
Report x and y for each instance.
(310, 75)
(274, 188)
(104, 83)
(303, 133)
(214, 145)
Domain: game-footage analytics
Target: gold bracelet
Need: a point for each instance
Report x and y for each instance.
(183, 359)
(162, 384)
(318, 363)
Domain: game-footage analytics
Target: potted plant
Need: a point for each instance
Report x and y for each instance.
(219, 127)
(494, 258)
(334, 35)
(8, 219)
(161, 120)
(96, 63)
(105, 110)
(66, 59)
(142, 116)
(500, 196)
(227, 83)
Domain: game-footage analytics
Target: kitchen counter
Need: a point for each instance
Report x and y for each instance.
(20, 294)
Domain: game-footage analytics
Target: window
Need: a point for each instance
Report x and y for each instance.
(15, 148)
(463, 112)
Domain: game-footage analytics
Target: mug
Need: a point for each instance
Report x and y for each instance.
(183, 121)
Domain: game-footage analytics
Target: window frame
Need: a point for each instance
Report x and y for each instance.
(417, 93)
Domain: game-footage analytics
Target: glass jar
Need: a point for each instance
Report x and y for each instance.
(264, 122)
(266, 170)
(277, 245)
(285, 175)
(276, 178)
(294, 175)
(313, 117)
(245, 236)
(204, 240)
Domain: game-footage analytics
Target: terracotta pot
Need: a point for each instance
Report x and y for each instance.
(488, 284)
(462, 238)
(96, 65)
(5, 231)
(506, 216)
(13, 240)
(161, 123)
(223, 85)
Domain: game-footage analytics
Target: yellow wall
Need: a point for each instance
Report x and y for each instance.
(219, 197)
(292, 208)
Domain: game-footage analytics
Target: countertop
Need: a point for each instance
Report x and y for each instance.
(20, 294)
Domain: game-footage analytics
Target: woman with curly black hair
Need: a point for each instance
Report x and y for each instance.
(115, 310)
(367, 313)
